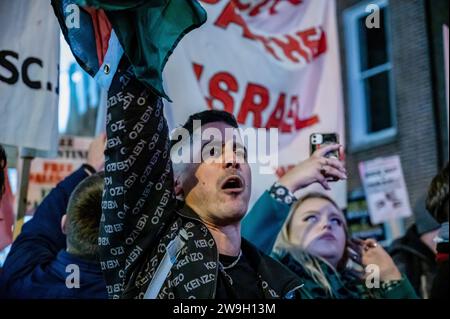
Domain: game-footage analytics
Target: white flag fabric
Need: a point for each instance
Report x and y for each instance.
(273, 64)
(29, 59)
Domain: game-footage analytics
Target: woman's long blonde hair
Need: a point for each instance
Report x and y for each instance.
(310, 263)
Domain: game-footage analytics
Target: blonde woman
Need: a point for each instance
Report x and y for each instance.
(314, 241)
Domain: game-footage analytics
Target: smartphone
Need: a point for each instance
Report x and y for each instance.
(319, 140)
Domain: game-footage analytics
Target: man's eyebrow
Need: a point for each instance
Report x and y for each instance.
(214, 143)
(211, 143)
(237, 144)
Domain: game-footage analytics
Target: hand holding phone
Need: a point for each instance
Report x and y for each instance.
(318, 168)
(320, 140)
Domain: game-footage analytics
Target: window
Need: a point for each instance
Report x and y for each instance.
(370, 80)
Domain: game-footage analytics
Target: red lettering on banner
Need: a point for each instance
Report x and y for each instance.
(292, 122)
(300, 47)
(273, 9)
(57, 167)
(276, 118)
(53, 173)
(230, 16)
(256, 100)
(266, 42)
(256, 8)
(220, 86)
(241, 6)
(290, 47)
(291, 118)
(315, 40)
(198, 70)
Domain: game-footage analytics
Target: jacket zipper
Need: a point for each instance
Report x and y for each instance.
(292, 291)
(217, 253)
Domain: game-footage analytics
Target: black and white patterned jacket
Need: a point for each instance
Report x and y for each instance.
(141, 216)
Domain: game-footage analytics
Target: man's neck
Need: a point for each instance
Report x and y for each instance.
(79, 255)
(227, 238)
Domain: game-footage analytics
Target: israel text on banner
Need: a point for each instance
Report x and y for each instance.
(273, 64)
(29, 58)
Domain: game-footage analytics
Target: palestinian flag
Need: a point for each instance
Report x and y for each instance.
(146, 31)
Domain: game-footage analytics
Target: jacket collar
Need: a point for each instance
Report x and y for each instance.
(86, 266)
(186, 211)
(277, 276)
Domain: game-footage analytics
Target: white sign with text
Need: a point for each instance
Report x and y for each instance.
(385, 188)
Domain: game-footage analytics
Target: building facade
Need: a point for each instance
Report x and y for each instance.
(394, 86)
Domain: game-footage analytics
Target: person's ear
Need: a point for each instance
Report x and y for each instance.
(63, 224)
(179, 193)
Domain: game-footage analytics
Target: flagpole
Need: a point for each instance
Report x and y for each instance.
(22, 196)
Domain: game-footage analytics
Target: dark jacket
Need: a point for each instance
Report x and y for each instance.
(440, 287)
(195, 273)
(416, 260)
(343, 285)
(36, 264)
(142, 216)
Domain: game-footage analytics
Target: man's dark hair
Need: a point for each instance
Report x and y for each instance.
(206, 117)
(2, 170)
(438, 195)
(83, 217)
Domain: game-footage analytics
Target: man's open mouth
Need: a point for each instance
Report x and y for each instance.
(233, 184)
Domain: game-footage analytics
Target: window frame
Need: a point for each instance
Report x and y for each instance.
(360, 138)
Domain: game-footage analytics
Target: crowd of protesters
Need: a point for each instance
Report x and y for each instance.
(290, 248)
(147, 228)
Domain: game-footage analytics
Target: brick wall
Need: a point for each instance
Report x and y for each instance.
(416, 141)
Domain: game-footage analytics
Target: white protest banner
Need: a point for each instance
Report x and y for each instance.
(273, 64)
(385, 188)
(29, 59)
(46, 173)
